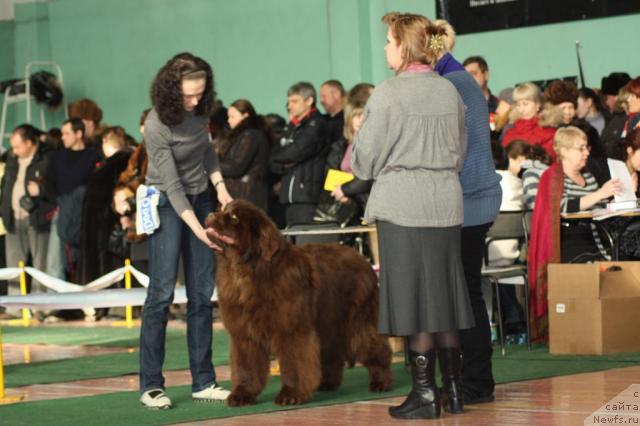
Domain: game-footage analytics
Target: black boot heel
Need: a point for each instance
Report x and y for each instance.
(451, 368)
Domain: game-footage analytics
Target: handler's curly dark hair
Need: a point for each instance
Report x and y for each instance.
(166, 90)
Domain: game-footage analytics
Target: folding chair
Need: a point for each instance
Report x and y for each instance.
(509, 225)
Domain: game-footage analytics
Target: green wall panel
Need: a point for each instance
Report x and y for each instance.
(110, 50)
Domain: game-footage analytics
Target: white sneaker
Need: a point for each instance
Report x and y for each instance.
(213, 393)
(155, 399)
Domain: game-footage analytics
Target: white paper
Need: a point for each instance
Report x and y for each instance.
(618, 170)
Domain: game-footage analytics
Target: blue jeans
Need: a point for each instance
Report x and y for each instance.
(166, 244)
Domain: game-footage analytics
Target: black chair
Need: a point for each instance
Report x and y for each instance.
(509, 225)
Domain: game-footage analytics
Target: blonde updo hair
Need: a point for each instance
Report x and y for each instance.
(566, 137)
(447, 33)
(415, 33)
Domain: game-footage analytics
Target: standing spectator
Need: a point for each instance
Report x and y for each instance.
(26, 206)
(479, 70)
(301, 156)
(332, 96)
(181, 162)
(98, 221)
(91, 115)
(72, 168)
(481, 200)
(244, 155)
(413, 137)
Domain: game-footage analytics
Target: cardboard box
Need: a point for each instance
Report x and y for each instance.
(594, 309)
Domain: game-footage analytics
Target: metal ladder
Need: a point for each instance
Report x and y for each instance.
(26, 97)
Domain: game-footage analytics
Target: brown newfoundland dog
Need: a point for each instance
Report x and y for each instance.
(314, 307)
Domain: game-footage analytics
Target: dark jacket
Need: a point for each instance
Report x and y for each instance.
(357, 189)
(335, 126)
(301, 159)
(98, 220)
(38, 170)
(245, 167)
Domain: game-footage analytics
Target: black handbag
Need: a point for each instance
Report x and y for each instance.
(331, 210)
(28, 203)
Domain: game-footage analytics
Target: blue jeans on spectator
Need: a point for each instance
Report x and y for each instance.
(172, 239)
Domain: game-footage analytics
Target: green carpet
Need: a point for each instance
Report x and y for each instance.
(91, 367)
(122, 408)
(90, 336)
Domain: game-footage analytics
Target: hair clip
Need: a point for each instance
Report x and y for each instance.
(436, 43)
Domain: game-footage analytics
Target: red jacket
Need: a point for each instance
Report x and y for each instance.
(529, 131)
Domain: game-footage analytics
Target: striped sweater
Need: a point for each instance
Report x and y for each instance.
(481, 190)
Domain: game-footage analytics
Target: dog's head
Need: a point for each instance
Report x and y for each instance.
(253, 233)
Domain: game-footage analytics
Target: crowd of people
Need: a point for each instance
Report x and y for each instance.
(423, 148)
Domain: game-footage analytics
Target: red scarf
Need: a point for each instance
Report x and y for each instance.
(544, 247)
(297, 121)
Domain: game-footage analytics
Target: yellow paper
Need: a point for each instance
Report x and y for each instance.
(336, 178)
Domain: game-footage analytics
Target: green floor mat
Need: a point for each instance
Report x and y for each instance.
(90, 336)
(110, 365)
(122, 408)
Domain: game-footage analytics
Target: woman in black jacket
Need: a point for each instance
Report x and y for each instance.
(244, 155)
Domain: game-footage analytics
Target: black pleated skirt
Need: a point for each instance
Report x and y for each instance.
(422, 284)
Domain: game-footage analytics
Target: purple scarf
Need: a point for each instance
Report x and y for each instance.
(448, 64)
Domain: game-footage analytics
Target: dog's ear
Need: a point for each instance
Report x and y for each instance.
(268, 240)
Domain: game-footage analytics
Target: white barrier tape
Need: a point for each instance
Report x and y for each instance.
(61, 286)
(9, 273)
(142, 279)
(94, 299)
(55, 284)
(105, 281)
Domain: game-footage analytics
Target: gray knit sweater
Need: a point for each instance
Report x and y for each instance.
(412, 143)
(181, 157)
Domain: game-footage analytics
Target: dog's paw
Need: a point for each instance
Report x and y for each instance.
(379, 386)
(239, 397)
(289, 396)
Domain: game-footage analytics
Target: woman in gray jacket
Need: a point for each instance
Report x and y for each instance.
(412, 143)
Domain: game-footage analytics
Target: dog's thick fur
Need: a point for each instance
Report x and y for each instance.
(314, 307)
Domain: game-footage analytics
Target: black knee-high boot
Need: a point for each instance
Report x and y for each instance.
(451, 368)
(423, 402)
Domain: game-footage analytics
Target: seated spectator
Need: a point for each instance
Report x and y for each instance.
(616, 127)
(590, 109)
(529, 123)
(301, 157)
(610, 87)
(564, 95)
(26, 206)
(505, 252)
(633, 103)
(564, 188)
(244, 155)
(532, 168)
